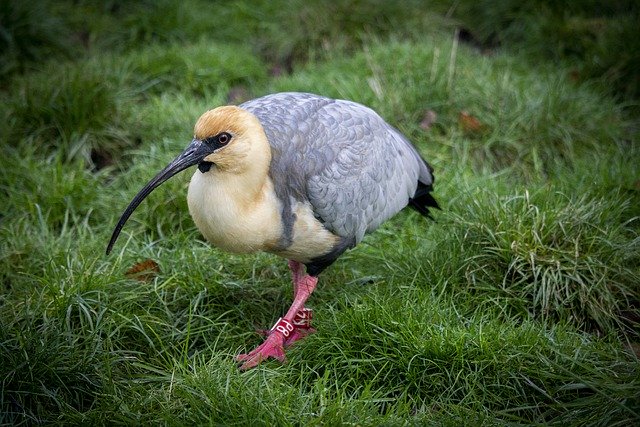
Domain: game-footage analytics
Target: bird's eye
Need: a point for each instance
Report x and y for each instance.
(224, 138)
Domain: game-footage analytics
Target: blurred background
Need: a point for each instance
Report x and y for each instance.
(118, 52)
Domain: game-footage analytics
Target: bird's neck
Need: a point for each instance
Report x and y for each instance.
(245, 189)
(242, 178)
(246, 177)
(236, 210)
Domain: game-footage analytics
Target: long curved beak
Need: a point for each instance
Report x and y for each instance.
(194, 154)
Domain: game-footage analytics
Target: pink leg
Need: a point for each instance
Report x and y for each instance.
(302, 327)
(302, 319)
(297, 272)
(273, 346)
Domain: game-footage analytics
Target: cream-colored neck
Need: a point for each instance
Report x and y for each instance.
(243, 179)
(234, 204)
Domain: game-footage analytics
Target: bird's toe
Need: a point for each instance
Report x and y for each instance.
(271, 348)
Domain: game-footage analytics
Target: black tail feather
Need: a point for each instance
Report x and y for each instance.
(422, 200)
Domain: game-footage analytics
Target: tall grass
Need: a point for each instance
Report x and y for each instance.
(80, 116)
(519, 305)
(555, 255)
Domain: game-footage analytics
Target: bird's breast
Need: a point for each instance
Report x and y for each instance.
(231, 217)
(239, 221)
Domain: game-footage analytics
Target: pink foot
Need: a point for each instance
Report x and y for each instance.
(271, 347)
(285, 327)
(301, 324)
(296, 335)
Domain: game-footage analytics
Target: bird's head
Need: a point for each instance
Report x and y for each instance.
(234, 139)
(228, 139)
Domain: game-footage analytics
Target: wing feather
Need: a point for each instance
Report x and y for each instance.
(354, 169)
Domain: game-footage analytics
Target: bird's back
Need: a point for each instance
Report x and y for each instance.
(352, 167)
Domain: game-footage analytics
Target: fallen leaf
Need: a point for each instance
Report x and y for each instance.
(428, 120)
(470, 124)
(143, 271)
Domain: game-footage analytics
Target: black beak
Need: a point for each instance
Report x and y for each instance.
(194, 154)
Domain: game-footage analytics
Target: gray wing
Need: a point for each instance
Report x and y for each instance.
(352, 167)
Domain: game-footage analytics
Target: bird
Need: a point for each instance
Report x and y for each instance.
(298, 175)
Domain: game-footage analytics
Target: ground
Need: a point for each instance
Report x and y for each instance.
(518, 304)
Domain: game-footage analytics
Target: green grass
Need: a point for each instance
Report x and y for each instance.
(519, 305)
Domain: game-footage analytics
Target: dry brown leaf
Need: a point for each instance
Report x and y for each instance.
(469, 123)
(143, 271)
